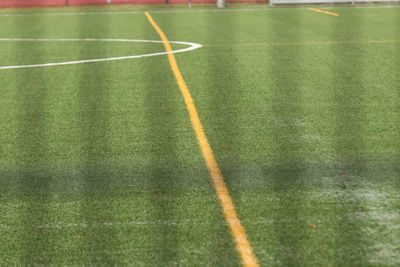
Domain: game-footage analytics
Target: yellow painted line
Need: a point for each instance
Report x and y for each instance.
(323, 11)
(307, 43)
(235, 226)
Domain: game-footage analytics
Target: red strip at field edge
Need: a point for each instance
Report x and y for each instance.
(32, 3)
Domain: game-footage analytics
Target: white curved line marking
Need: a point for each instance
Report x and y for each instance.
(192, 46)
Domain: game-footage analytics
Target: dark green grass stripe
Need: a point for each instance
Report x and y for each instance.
(221, 86)
(163, 179)
(288, 163)
(395, 76)
(34, 191)
(349, 146)
(395, 63)
(100, 245)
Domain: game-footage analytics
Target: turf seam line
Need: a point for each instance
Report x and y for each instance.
(235, 226)
(323, 11)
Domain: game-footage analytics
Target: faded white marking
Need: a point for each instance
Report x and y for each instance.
(60, 225)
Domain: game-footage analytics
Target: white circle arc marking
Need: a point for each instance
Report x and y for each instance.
(191, 46)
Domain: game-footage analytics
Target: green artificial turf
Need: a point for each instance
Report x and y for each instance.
(99, 164)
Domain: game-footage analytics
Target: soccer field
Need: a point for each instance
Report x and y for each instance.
(100, 162)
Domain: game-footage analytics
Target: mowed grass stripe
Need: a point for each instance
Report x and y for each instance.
(324, 12)
(237, 230)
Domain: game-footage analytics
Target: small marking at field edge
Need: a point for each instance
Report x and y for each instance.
(235, 226)
(323, 11)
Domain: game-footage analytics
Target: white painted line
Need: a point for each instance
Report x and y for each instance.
(191, 46)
